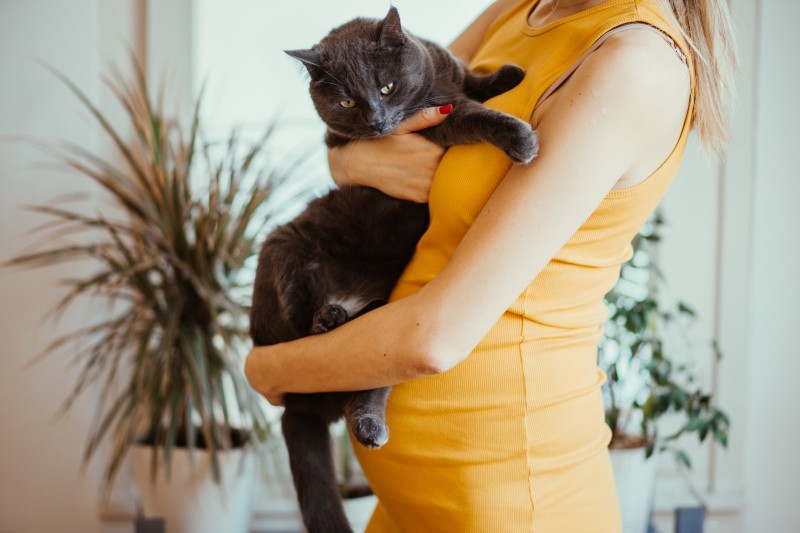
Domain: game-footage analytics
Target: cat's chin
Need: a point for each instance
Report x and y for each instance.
(354, 136)
(378, 134)
(363, 135)
(367, 136)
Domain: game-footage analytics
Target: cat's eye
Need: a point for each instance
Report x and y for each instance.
(388, 88)
(348, 103)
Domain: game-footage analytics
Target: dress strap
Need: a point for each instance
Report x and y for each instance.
(556, 84)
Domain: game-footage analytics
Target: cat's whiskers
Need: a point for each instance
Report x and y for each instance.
(332, 83)
(329, 74)
(345, 134)
(308, 63)
(435, 100)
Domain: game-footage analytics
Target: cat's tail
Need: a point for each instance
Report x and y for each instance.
(308, 440)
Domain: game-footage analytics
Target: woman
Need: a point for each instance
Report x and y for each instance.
(491, 336)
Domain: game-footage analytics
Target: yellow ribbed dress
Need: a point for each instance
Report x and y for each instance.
(513, 439)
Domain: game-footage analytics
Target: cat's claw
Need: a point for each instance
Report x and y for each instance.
(371, 431)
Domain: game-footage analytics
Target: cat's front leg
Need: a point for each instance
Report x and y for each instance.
(366, 416)
(471, 122)
(482, 87)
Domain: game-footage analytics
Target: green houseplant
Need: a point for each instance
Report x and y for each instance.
(649, 382)
(174, 248)
(634, 352)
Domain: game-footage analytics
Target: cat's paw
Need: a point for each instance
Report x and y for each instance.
(370, 431)
(508, 77)
(523, 146)
(327, 318)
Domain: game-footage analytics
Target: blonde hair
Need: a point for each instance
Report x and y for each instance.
(707, 28)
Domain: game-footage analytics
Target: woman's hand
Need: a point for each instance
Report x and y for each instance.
(401, 164)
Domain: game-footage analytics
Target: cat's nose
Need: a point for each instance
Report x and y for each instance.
(378, 126)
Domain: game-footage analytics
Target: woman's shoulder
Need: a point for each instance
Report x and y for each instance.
(637, 65)
(644, 57)
(653, 78)
(634, 88)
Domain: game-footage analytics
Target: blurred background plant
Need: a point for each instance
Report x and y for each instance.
(648, 378)
(175, 247)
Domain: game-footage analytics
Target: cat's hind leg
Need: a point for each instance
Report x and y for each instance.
(482, 87)
(337, 312)
(328, 317)
(286, 292)
(308, 440)
(366, 416)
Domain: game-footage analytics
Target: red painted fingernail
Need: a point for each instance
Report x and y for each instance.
(445, 109)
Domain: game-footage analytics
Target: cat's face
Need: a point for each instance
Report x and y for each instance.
(366, 77)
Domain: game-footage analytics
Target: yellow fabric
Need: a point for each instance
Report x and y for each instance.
(513, 439)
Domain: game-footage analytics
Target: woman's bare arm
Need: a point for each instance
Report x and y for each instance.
(590, 138)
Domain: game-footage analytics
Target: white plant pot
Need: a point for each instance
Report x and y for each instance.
(636, 479)
(359, 511)
(191, 502)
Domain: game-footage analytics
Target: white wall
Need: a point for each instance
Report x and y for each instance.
(41, 487)
(733, 251)
(772, 462)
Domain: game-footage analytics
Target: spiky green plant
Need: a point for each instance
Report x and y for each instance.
(186, 216)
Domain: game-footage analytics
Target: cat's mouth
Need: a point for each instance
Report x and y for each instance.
(366, 133)
(385, 129)
(377, 134)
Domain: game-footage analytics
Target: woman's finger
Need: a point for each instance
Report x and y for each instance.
(430, 116)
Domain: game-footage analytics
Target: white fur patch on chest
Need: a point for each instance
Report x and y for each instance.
(351, 304)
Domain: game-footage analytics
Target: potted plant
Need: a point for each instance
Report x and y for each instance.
(173, 250)
(647, 383)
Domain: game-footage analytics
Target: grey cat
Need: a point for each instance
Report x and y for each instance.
(342, 256)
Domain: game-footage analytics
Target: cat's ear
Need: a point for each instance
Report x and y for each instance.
(310, 58)
(391, 32)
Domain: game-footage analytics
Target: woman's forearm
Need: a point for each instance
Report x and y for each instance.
(392, 344)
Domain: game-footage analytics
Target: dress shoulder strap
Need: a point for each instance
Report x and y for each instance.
(600, 40)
